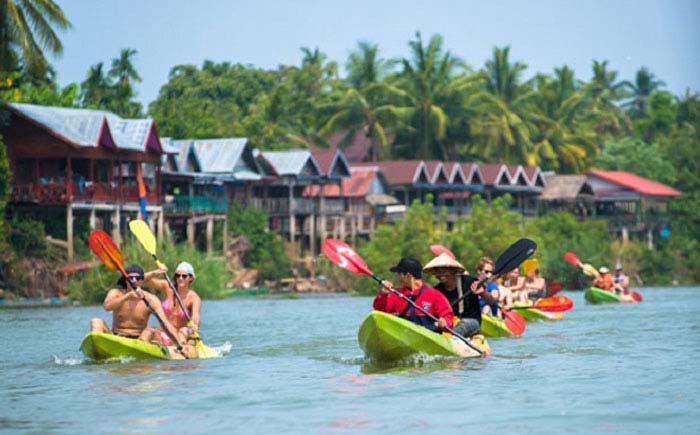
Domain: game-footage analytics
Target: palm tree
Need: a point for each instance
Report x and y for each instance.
(365, 67)
(506, 125)
(432, 92)
(644, 85)
(95, 89)
(26, 30)
(123, 70)
(603, 92)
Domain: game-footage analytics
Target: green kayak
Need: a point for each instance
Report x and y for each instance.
(99, 346)
(535, 314)
(595, 295)
(387, 338)
(494, 327)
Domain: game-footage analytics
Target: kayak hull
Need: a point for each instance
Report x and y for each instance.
(100, 346)
(494, 327)
(533, 314)
(387, 338)
(598, 296)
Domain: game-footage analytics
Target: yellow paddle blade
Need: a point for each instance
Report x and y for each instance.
(530, 265)
(589, 270)
(204, 351)
(144, 235)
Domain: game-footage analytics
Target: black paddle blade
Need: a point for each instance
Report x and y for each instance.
(514, 255)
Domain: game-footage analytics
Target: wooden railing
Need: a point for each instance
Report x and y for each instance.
(183, 204)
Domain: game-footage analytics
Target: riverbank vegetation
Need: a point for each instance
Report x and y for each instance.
(428, 103)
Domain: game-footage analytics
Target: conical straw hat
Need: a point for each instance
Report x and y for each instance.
(443, 260)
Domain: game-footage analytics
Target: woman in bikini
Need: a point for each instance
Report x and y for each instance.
(183, 278)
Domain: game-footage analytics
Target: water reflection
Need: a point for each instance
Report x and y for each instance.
(420, 365)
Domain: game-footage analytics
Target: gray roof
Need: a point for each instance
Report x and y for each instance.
(87, 127)
(231, 156)
(299, 162)
(565, 187)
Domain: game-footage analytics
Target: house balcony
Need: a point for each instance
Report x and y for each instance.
(55, 191)
(195, 204)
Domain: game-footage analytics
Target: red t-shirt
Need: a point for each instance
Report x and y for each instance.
(430, 300)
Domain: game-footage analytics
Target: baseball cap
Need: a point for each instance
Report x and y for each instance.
(409, 265)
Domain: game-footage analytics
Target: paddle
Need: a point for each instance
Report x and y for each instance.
(145, 236)
(554, 304)
(514, 321)
(439, 249)
(592, 271)
(344, 256)
(106, 250)
(554, 287)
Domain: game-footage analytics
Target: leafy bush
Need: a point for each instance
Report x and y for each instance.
(267, 254)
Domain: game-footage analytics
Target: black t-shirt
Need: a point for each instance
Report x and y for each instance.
(472, 309)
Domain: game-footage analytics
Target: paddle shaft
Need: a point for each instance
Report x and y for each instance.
(430, 316)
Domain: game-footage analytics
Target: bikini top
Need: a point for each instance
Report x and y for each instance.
(168, 309)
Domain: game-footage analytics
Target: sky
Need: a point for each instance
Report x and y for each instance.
(661, 35)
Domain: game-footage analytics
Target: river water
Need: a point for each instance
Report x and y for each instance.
(294, 366)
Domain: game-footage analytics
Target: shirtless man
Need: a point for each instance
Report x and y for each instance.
(129, 312)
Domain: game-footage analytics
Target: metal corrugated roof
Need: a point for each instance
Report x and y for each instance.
(219, 155)
(83, 127)
(293, 162)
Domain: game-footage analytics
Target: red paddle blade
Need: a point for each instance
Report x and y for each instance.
(554, 287)
(637, 297)
(514, 321)
(106, 250)
(439, 249)
(572, 258)
(554, 304)
(344, 256)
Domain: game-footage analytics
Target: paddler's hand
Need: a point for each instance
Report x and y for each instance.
(162, 269)
(441, 323)
(386, 287)
(136, 293)
(477, 290)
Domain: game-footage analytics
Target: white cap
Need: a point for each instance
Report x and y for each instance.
(186, 268)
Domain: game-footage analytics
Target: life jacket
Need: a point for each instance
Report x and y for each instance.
(410, 313)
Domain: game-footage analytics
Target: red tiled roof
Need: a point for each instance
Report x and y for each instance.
(490, 172)
(324, 158)
(398, 171)
(634, 182)
(433, 166)
(356, 186)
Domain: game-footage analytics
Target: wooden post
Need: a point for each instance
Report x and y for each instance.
(116, 223)
(190, 233)
(210, 235)
(225, 235)
(69, 229)
(292, 224)
(312, 234)
(69, 179)
(160, 225)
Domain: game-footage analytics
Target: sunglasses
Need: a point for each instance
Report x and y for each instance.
(136, 277)
(181, 275)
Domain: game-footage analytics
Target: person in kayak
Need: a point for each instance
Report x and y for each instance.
(489, 299)
(455, 286)
(129, 312)
(534, 286)
(510, 287)
(621, 283)
(183, 278)
(413, 287)
(604, 280)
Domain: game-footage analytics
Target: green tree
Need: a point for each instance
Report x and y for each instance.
(603, 93)
(644, 85)
(124, 73)
(506, 125)
(635, 155)
(95, 90)
(26, 31)
(435, 101)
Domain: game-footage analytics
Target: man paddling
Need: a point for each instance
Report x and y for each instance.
(129, 312)
(454, 284)
(413, 287)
